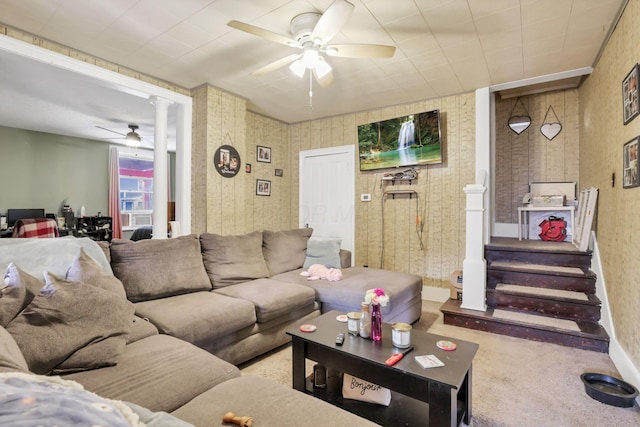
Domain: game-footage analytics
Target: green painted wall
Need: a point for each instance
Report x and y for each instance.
(41, 170)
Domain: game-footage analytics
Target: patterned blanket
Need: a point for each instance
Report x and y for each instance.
(36, 227)
(29, 400)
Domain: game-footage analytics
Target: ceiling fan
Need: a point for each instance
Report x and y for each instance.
(131, 138)
(311, 32)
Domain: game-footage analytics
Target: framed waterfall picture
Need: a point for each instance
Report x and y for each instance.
(412, 140)
(630, 102)
(630, 165)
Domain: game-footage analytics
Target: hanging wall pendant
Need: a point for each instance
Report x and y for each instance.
(550, 129)
(519, 123)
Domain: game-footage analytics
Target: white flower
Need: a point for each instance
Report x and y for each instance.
(376, 296)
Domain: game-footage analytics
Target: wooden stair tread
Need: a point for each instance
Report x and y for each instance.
(515, 245)
(589, 330)
(547, 293)
(538, 268)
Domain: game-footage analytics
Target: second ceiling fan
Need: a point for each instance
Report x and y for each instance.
(311, 32)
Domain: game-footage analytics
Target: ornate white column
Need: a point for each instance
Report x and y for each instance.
(478, 209)
(474, 274)
(160, 169)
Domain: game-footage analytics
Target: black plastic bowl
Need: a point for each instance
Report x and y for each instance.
(609, 390)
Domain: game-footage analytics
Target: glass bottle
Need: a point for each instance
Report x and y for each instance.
(376, 322)
(365, 320)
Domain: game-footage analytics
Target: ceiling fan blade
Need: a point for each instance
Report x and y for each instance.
(361, 50)
(275, 65)
(100, 127)
(261, 32)
(324, 81)
(332, 20)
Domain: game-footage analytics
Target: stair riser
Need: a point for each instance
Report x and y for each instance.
(565, 283)
(556, 259)
(546, 307)
(527, 333)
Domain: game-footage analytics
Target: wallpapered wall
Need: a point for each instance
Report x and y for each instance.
(230, 205)
(602, 135)
(441, 199)
(530, 157)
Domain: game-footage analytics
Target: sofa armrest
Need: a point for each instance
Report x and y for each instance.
(345, 258)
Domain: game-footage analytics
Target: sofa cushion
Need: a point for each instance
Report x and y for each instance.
(160, 373)
(11, 358)
(198, 317)
(153, 268)
(323, 251)
(85, 269)
(233, 259)
(269, 403)
(71, 326)
(18, 291)
(271, 298)
(285, 250)
(140, 329)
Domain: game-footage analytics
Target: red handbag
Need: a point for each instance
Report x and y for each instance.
(553, 229)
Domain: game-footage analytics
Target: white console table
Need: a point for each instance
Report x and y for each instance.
(523, 216)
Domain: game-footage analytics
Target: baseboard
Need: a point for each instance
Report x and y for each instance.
(617, 354)
(624, 365)
(435, 294)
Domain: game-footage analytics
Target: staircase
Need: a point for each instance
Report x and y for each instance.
(542, 291)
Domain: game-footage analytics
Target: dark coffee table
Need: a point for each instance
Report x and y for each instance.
(420, 397)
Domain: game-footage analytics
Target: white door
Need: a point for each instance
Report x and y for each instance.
(327, 187)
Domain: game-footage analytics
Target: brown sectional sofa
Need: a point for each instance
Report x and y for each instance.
(202, 304)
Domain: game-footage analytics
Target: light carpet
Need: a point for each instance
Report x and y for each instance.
(516, 382)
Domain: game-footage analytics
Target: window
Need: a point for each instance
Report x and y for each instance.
(136, 190)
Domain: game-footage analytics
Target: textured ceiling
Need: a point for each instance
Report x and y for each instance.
(444, 47)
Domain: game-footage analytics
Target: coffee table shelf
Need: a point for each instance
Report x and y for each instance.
(436, 396)
(403, 410)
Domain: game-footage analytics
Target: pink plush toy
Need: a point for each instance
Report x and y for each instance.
(319, 271)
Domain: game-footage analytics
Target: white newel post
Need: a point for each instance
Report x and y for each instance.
(474, 272)
(160, 169)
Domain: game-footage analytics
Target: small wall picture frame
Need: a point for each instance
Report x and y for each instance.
(630, 164)
(630, 101)
(263, 187)
(280, 173)
(263, 154)
(247, 167)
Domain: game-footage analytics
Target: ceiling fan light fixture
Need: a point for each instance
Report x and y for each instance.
(132, 139)
(310, 57)
(298, 68)
(322, 68)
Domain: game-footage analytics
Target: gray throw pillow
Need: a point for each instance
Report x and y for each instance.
(84, 269)
(71, 326)
(233, 259)
(323, 251)
(11, 358)
(157, 268)
(18, 291)
(285, 250)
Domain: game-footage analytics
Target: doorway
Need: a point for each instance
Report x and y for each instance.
(327, 188)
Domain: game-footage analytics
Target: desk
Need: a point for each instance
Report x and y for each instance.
(523, 216)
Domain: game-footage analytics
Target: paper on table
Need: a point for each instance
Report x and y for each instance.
(429, 361)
